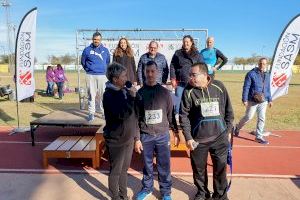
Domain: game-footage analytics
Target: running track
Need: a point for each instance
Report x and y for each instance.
(281, 158)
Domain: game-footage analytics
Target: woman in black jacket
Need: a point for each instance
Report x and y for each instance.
(120, 128)
(124, 55)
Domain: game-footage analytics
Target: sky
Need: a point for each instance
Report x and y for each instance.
(241, 28)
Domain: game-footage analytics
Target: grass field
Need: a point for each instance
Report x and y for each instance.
(284, 115)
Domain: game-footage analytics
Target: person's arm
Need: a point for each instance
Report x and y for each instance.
(133, 65)
(268, 89)
(165, 71)
(229, 115)
(114, 58)
(172, 120)
(246, 88)
(173, 64)
(171, 113)
(200, 57)
(184, 112)
(108, 57)
(138, 146)
(224, 59)
(268, 92)
(83, 59)
(140, 71)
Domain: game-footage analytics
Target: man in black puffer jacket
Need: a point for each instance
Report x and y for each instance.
(206, 118)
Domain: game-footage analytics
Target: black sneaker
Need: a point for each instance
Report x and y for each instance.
(236, 131)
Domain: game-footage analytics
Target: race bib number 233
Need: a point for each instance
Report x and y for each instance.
(153, 116)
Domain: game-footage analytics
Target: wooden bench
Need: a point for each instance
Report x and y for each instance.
(76, 147)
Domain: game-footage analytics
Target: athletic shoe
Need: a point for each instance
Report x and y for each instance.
(265, 134)
(236, 131)
(91, 118)
(167, 197)
(261, 140)
(142, 195)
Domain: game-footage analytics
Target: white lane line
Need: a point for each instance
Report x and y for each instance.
(133, 172)
(265, 146)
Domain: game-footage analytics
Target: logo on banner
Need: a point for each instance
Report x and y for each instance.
(25, 78)
(279, 79)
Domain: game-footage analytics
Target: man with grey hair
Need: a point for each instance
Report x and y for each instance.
(159, 59)
(256, 97)
(94, 61)
(120, 128)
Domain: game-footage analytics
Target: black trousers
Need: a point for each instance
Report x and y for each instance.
(119, 160)
(218, 152)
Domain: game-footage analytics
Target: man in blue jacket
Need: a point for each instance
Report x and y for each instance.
(256, 97)
(211, 56)
(94, 60)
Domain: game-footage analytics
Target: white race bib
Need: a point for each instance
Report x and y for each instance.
(210, 109)
(153, 116)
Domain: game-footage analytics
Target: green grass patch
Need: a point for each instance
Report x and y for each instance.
(284, 115)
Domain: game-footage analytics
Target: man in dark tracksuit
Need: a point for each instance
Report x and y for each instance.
(206, 118)
(155, 108)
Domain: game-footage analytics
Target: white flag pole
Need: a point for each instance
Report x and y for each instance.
(285, 53)
(24, 61)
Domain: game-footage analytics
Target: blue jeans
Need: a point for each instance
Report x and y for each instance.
(178, 93)
(260, 109)
(60, 88)
(49, 89)
(160, 145)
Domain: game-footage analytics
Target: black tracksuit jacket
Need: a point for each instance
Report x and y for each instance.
(194, 124)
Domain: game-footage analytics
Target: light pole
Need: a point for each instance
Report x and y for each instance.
(6, 4)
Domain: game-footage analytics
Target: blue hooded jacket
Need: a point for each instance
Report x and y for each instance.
(94, 60)
(254, 83)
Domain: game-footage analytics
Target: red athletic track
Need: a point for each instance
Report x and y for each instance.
(280, 157)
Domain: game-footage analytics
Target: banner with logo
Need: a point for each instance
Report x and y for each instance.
(285, 54)
(139, 47)
(25, 52)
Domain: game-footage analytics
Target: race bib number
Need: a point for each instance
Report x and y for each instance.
(210, 109)
(153, 116)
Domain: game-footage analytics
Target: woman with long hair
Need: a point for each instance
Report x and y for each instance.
(124, 55)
